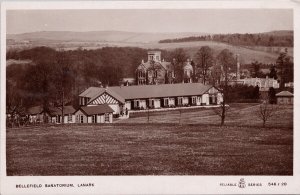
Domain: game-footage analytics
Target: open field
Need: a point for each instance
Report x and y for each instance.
(238, 114)
(149, 149)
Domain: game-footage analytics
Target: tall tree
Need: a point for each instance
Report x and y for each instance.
(179, 58)
(227, 61)
(273, 72)
(256, 92)
(285, 66)
(216, 74)
(204, 61)
(272, 95)
(64, 81)
(256, 69)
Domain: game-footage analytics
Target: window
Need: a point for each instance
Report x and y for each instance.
(180, 101)
(157, 58)
(151, 103)
(106, 117)
(155, 73)
(93, 118)
(193, 100)
(136, 103)
(81, 119)
(166, 101)
(77, 118)
(69, 117)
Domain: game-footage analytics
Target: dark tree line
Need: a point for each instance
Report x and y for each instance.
(259, 39)
(57, 77)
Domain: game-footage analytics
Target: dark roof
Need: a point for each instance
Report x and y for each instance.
(53, 111)
(92, 92)
(284, 94)
(100, 109)
(158, 91)
(35, 110)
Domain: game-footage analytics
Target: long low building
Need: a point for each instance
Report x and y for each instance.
(139, 97)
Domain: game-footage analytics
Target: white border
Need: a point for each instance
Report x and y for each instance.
(151, 184)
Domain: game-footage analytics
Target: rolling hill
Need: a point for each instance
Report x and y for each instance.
(102, 36)
(99, 39)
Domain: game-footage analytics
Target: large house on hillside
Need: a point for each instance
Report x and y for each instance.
(158, 71)
(139, 97)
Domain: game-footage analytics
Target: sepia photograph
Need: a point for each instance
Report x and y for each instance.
(149, 92)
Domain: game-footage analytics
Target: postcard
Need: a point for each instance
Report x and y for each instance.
(150, 97)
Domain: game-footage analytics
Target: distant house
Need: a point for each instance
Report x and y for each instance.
(158, 71)
(155, 70)
(94, 114)
(138, 97)
(36, 115)
(55, 114)
(285, 97)
(264, 84)
(289, 84)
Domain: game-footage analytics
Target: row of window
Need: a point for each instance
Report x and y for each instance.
(167, 101)
(151, 57)
(58, 118)
(80, 118)
(142, 74)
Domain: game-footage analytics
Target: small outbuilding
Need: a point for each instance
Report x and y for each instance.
(55, 114)
(94, 114)
(35, 114)
(285, 97)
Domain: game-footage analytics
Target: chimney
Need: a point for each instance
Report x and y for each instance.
(142, 61)
(238, 76)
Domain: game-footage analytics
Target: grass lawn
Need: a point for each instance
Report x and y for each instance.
(149, 149)
(238, 114)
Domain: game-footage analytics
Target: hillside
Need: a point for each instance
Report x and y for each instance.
(98, 36)
(268, 39)
(99, 39)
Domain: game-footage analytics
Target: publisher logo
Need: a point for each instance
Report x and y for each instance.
(242, 183)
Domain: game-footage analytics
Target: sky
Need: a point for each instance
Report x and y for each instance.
(154, 21)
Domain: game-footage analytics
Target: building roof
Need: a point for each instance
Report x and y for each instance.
(92, 92)
(53, 111)
(164, 64)
(284, 94)
(100, 109)
(158, 91)
(35, 110)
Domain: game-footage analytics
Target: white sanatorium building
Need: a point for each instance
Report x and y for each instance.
(139, 97)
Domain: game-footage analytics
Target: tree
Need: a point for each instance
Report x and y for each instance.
(227, 61)
(179, 58)
(14, 105)
(272, 95)
(204, 61)
(216, 74)
(64, 81)
(256, 92)
(256, 69)
(285, 66)
(273, 72)
(266, 111)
